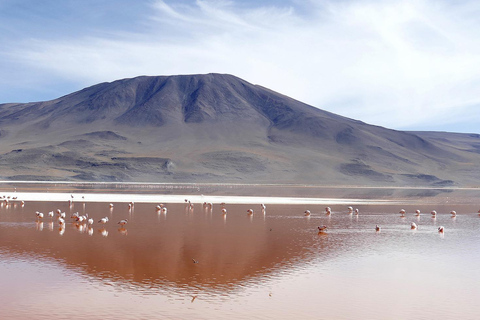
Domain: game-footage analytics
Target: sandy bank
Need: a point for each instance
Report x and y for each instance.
(150, 198)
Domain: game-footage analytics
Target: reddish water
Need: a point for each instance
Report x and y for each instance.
(262, 267)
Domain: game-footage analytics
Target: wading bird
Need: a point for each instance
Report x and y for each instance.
(322, 229)
(103, 220)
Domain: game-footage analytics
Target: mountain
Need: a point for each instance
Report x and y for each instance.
(218, 128)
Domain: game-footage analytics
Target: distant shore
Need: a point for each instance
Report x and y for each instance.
(231, 193)
(149, 198)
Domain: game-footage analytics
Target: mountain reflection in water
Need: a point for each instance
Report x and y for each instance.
(277, 259)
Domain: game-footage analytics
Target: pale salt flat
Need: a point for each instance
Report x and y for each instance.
(156, 198)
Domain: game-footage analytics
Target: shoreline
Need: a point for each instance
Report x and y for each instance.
(159, 198)
(4, 183)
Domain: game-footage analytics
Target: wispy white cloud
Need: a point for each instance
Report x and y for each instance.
(400, 64)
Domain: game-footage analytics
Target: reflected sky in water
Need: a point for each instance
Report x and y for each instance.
(202, 264)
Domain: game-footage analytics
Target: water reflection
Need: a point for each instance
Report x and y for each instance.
(205, 256)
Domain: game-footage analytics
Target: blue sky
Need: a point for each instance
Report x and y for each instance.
(406, 65)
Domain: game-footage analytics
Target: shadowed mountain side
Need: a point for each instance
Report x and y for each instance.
(217, 128)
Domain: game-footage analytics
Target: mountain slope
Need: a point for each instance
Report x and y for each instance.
(217, 128)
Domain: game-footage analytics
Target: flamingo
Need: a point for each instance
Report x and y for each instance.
(453, 213)
(441, 229)
(103, 220)
(356, 212)
(39, 215)
(417, 213)
(413, 226)
(307, 213)
(164, 210)
(111, 205)
(377, 228)
(224, 211)
(250, 211)
(123, 222)
(433, 213)
(322, 228)
(402, 212)
(350, 210)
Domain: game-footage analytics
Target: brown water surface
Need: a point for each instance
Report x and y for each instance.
(202, 264)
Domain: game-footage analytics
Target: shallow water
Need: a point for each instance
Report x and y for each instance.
(260, 266)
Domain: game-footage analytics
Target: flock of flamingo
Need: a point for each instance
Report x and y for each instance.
(84, 222)
(413, 225)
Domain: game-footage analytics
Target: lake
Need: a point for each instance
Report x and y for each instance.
(198, 263)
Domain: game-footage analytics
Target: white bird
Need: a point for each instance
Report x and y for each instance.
(39, 215)
(328, 211)
(250, 211)
(123, 222)
(111, 205)
(81, 219)
(417, 212)
(453, 213)
(440, 229)
(61, 221)
(224, 211)
(413, 226)
(50, 214)
(322, 228)
(350, 210)
(307, 213)
(356, 212)
(158, 208)
(164, 210)
(377, 227)
(103, 220)
(90, 221)
(402, 212)
(433, 213)
(263, 206)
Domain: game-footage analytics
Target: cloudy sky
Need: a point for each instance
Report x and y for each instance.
(407, 65)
